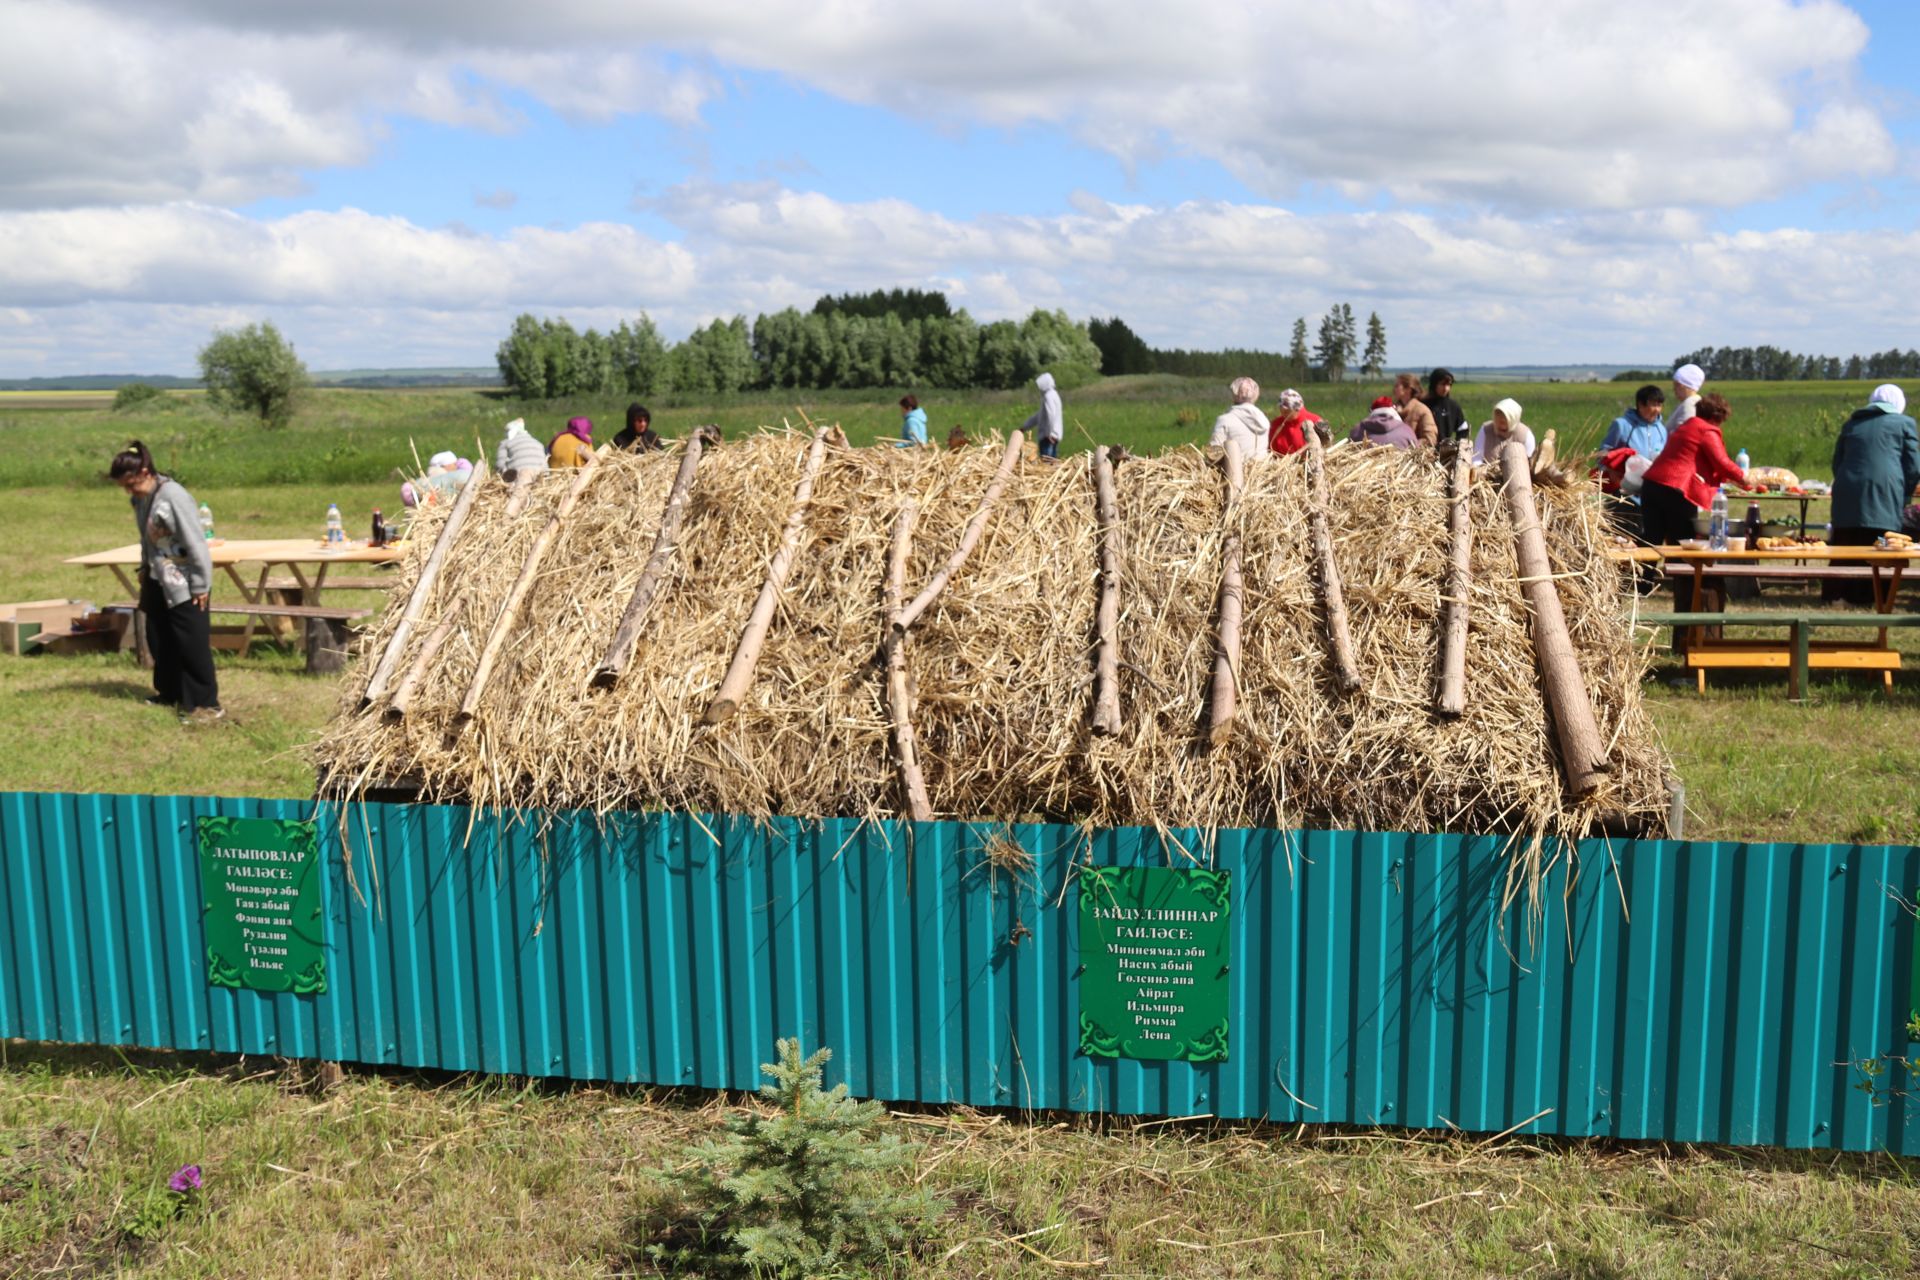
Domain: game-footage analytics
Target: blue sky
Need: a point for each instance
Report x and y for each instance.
(391, 183)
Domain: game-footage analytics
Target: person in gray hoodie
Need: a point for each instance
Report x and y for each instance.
(176, 581)
(1243, 424)
(1046, 420)
(519, 453)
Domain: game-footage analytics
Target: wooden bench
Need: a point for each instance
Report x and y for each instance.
(327, 635)
(381, 582)
(1800, 654)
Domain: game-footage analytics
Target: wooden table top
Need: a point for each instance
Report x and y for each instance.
(229, 551)
(1866, 555)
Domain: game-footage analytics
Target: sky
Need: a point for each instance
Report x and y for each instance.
(1503, 181)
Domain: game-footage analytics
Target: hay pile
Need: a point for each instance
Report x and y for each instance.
(1002, 663)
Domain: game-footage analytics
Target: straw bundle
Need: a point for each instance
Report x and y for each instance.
(1001, 665)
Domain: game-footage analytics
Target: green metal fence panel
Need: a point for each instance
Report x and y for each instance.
(1689, 992)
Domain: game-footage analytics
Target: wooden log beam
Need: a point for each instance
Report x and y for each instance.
(899, 691)
(969, 537)
(1106, 663)
(753, 637)
(1451, 701)
(423, 587)
(402, 699)
(1226, 656)
(518, 494)
(1333, 597)
(1583, 753)
(665, 541)
(504, 621)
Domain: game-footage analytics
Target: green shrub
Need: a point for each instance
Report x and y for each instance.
(135, 394)
(796, 1193)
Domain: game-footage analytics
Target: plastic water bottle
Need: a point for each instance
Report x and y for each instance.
(337, 532)
(1740, 461)
(206, 522)
(1717, 521)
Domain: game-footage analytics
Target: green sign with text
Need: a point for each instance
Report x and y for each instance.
(1153, 963)
(260, 891)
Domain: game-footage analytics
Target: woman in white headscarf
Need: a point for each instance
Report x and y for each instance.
(1244, 423)
(1506, 425)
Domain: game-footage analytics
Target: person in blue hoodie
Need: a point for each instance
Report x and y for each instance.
(1643, 431)
(913, 422)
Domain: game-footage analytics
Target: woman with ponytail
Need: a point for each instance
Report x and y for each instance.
(176, 575)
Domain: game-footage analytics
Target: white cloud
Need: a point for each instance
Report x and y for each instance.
(105, 288)
(1576, 104)
(498, 198)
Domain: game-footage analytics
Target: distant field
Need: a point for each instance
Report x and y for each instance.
(55, 400)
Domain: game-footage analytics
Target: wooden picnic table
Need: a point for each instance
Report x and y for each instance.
(1735, 497)
(1705, 647)
(307, 559)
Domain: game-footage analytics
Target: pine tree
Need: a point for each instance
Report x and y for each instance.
(809, 1187)
(1298, 351)
(1329, 350)
(1349, 336)
(1375, 360)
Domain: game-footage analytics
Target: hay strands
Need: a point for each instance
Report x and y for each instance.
(509, 614)
(423, 587)
(1226, 657)
(403, 696)
(1451, 698)
(899, 691)
(1333, 599)
(969, 537)
(753, 637)
(1583, 754)
(1106, 663)
(620, 651)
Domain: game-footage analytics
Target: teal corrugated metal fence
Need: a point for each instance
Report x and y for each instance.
(1694, 992)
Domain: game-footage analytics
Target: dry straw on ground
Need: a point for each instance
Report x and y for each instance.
(1001, 666)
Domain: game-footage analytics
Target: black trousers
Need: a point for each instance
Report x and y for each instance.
(180, 639)
(1849, 592)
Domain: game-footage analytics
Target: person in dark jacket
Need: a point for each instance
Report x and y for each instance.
(1876, 464)
(638, 435)
(1449, 419)
(176, 582)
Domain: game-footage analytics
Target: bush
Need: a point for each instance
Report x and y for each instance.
(253, 370)
(801, 1192)
(133, 395)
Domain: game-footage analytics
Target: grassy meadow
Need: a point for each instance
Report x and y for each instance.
(403, 1174)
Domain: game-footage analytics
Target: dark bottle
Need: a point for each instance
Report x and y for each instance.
(379, 530)
(1753, 526)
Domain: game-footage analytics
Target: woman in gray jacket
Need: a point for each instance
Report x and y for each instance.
(176, 576)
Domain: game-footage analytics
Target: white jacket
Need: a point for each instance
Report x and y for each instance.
(1246, 424)
(1046, 420)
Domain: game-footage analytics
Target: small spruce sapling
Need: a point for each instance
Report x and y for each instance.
(798, 1191)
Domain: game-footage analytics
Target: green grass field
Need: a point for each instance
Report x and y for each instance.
(398, 1174)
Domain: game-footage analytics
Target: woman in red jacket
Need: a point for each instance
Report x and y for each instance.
(1287, 433)
(1683, 478)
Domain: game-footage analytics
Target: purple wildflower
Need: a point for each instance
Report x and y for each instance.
(186, 1178)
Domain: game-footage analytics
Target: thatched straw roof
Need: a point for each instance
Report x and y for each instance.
(1001, 665)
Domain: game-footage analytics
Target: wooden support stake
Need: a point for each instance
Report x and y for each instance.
(522, 490)
(1452, 700)
(899, 694)
(503, 622)
(403, 696)
(746, 655)
(1583, 754)
(664, 542)
(1333, 598)
(1106, 665)
(423, 587)
(969, 537)
(1226, 658)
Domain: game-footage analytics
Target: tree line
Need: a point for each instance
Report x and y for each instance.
(1328, 360)
(1771, 364)
(834, 346)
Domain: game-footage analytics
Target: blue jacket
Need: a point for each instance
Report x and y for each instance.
(1628, 430)
(913, 427)
(1876, 464)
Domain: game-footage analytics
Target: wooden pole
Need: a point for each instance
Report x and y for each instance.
(969, 537)
(503, 622)
(899, 693)
(664, 542)
(1333, 598)
(1583, 754)
(746, 655)
(1106, 664)
(1226, 658)
(1452, 700)
(517, 495)
(423, 586)
(403, 696)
